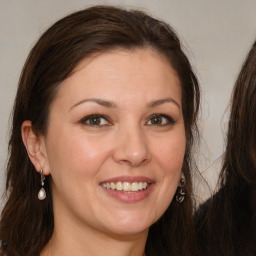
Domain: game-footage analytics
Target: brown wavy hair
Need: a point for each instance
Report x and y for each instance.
(229, 227)
(26, 223)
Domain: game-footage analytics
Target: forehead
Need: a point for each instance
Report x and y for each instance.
(144, 53)
(113, 72)
(139, 58)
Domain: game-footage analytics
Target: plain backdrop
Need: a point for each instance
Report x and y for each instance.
(216, 34)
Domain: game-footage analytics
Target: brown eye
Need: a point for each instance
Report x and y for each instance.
(156, 120)
(160, 119)
(95, 120)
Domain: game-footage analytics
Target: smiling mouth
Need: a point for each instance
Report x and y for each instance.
(126, 186)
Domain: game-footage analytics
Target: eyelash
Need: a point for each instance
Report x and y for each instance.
(170, 120)
(94, 120)
(95, 117)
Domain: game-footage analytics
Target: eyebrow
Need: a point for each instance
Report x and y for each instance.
(104, 103)
(111, 104)
(156, 103)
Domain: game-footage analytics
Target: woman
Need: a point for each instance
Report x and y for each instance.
(103, 126)
(226, 223)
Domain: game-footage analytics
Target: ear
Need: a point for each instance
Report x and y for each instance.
(35, 146)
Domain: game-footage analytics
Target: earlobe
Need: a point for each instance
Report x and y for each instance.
(35, 147)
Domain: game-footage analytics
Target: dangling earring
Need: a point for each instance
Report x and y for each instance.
(42, 193)
(180, 196)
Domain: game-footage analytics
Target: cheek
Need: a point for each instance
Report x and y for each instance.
(74, 155)
(170, 153)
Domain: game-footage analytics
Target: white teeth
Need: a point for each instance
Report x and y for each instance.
(135, 186)
(126, 186)
(113, 185)
(119, 186)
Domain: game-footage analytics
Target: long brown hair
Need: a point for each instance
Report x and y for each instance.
(238, 175)
(27, 223)
(230, 223)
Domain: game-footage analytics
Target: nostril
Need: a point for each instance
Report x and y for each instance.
(133, 160)
(130, 157)
(132, 148)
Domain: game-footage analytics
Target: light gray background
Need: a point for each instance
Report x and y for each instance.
(217, 35)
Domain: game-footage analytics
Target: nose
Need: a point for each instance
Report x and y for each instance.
(132, 147)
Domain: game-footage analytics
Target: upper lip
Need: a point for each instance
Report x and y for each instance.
(128, 179)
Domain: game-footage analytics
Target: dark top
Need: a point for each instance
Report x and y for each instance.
(226, 229)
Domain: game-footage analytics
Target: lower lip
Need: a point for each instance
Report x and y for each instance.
(130, 197)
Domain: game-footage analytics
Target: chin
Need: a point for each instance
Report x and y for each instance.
(131, 226)
(129, 231)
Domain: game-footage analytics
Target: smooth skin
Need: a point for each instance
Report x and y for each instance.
(118, 114)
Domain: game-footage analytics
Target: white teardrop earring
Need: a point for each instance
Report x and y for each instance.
(42, 193)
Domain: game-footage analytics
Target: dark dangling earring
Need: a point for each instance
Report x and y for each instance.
(42, 193)
(180, 196)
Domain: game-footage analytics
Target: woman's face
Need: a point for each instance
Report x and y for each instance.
(115, 142)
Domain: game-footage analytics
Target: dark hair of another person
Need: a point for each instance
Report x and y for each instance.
(27, 224)
(231, 224)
